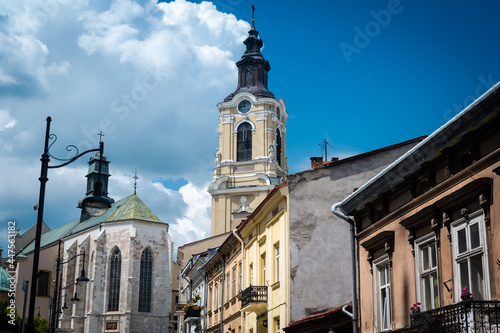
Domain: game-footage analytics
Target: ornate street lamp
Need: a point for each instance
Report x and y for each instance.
(81, 278)
(97, 205)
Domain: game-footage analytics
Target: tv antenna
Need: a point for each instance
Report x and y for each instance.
(324, 147)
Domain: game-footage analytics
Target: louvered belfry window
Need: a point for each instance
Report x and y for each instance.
(114, 280)
(145, 281)
(244, 143)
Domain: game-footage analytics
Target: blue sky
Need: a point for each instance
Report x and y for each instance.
(366, 73)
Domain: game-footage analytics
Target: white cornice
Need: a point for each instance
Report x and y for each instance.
(244, 95)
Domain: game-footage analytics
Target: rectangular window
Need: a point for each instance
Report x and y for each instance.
(241, 276)
(251, 274)
(216, 297)
(263, 260)
(209, 303)
(428, 284)
(277, 263)
(382, 284)
(43, 283)
(470, 256)
(227, 287)
(234, 282)
(277, 324)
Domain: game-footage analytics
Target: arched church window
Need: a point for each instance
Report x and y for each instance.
(145, 281)
(114, 280)
(278, 146)
(244, 143)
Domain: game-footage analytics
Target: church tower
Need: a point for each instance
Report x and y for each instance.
(92, 176)
(251, 157)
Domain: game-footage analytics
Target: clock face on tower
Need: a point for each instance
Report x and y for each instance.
(244, 106)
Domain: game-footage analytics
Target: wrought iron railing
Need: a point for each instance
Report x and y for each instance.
(467, 316)
(254, 294)
(192, 313)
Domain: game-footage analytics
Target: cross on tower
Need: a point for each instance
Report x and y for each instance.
(253, 16)
(100, 136)
(135, 181)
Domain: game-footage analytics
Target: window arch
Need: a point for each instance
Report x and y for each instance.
(278, 146)
(114, 279)
(145, 281)
(244, 142)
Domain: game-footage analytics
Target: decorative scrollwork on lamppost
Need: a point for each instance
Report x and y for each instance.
(82, 278)
(96, 205)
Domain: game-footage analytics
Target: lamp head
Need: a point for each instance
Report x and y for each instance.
(75, 298)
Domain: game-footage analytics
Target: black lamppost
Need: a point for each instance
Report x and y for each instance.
(96, 205)
(81, 278)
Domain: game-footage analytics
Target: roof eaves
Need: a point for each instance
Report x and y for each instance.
(411, 160)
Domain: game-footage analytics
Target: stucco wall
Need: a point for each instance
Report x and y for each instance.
(320, 262)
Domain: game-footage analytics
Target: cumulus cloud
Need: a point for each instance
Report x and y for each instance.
(146, 74)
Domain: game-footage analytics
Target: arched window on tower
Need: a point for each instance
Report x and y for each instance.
(244, 143)
(278, 146)
(114, 280)
(145, 281)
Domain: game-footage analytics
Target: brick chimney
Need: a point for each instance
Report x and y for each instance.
(316, 162)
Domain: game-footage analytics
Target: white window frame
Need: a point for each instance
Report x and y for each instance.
(420, 244)
(263, 260)
(234, 282)
(377, 300)
(277, 263)
(475, 217)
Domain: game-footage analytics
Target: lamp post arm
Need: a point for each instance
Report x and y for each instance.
(75, 158)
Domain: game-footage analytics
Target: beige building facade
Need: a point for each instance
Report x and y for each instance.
(427, 227)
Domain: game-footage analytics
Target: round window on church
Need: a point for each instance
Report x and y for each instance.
(244, 106)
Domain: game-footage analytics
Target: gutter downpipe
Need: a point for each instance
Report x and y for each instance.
(242, 321)
(222, 292)
(353, 315)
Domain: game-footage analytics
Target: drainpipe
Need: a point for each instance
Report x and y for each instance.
(242, 322)
(353, 315)
(222, 292)
(204, 296)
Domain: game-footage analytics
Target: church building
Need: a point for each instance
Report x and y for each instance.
(124, 254)
(251, 158)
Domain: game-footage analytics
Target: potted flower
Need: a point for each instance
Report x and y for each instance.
(466, 295)
(415, 308)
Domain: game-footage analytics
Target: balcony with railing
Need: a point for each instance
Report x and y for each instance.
(467, 316)
(254, 299)
(192, 315)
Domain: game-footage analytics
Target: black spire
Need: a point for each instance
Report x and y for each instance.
(252, 67)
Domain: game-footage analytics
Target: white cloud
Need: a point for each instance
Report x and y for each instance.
(195, 224)
(6, 121)
(147, 75)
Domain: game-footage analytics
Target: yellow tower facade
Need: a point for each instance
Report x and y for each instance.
(251, 158)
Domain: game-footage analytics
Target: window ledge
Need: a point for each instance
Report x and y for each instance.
(275, 285)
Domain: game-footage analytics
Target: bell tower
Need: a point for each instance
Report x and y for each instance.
(251, 158)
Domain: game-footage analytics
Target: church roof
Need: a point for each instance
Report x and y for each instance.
(126, 209)
(133, 209)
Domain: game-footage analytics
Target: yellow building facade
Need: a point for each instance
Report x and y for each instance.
(265, 296)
